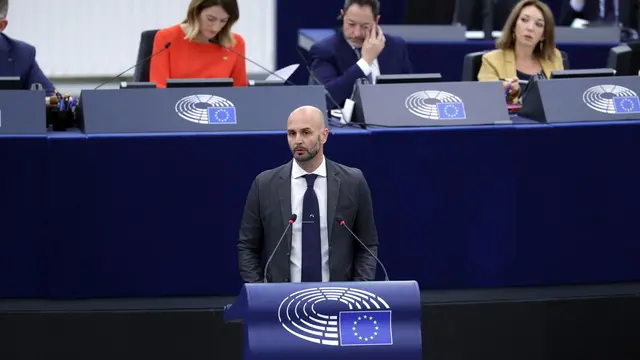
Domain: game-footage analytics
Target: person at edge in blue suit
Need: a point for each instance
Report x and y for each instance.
(358, 50)
(18, 58)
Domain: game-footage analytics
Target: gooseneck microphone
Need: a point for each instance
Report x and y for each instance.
(343, 224)
(313, 76)
(166, 46)
(292, 219)
(306, 65)
(215, 41)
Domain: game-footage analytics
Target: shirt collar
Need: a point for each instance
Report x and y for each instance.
(297, 171)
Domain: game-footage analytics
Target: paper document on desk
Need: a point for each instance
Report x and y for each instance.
(578, 23)
(284, 73)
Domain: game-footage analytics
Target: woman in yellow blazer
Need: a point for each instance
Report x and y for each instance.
(526, 48)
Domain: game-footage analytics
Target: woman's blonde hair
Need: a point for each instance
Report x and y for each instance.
(545, 49)
(224, 37)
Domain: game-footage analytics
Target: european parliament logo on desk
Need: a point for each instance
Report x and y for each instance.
(337, 316)
(612, 99)
(365, 328)
(436, 105)
(206, 109)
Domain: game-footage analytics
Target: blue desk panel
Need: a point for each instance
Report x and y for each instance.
(509, 206)
(22, 215)
(447, 58)
(153, 215)
(160, 214)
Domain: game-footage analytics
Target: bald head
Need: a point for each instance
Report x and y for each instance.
(306, 116)
(307, 134)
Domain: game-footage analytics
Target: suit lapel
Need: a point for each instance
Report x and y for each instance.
(383, 61)
(284, 195)
(510, 65)
(547, 67)
(509, 69)
(350, 56)
(7, 62)
(333, 191)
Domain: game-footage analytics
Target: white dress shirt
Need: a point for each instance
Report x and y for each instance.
(298, 188)
(373, 69)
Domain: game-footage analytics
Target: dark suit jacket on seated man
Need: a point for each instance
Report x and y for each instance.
(18, 58)
(319, 191)
(602, 11)
(358, 50)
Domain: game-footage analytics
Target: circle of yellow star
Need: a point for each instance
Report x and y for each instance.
(365, 338)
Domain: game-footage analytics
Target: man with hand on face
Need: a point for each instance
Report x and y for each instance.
(320, 193)
(358, 50)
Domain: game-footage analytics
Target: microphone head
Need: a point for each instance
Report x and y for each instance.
(213, 40)
(339, 220)
(293, 218)
(166, 46)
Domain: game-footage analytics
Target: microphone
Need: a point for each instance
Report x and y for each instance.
(313, 76)
(215, 41)
(166, 46)
(292, 219)
(306, 65)
(343, 224)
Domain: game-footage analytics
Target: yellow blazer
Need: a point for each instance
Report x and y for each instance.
(501, 64)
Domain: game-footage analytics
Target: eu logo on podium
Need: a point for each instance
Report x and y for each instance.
(626, 104)
(206, 109)
(330, 321)
(337, 316)
(222, 115)
(451, 110)
(359, 328)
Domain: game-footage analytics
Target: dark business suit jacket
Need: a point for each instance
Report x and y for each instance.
(627, 11)
(18, 58)
(268, 210)
(333, 62)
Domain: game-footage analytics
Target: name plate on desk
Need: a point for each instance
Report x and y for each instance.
(583, 99)
(22, 112)
(431, 104)
(194, 109)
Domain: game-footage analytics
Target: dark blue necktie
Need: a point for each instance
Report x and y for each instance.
(311, 249)
(370, 76)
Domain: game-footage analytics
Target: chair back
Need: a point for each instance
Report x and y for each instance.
(471, 65)
(145, 49)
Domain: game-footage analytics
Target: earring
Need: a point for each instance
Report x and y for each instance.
(541, 46)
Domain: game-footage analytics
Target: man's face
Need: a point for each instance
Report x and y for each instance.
(357, 21)
(306, 136)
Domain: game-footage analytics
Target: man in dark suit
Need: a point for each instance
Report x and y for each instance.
(600, 11)
(319, 191)
(359, 50)
(18, 58)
